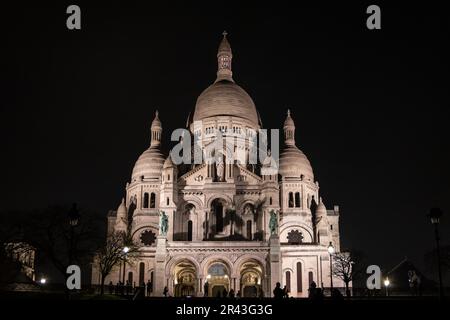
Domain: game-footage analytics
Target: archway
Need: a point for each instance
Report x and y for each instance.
(183, 228)
(218, 280)
(251, 279)
(219, 222)
(185, 279)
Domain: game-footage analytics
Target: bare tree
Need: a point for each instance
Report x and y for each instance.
(50, 232)
(346, 266)
(111, 254)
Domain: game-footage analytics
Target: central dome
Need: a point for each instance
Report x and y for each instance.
(225, 98)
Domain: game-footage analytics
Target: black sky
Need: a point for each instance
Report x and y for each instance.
(371, 107)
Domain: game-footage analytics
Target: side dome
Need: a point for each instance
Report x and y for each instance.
(150, 162)
(148, 165)
(225, 98)
(293, 162)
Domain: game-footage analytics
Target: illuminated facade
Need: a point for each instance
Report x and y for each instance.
(219, 213)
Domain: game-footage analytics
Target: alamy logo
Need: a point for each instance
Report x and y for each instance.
(374, 20)
(225, 145)
(74, 20)
(74, 277)
(374, 280)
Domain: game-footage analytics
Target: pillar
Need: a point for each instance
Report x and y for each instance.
(159, 276)
(275, 261)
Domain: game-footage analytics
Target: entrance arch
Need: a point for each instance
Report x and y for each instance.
(251, 279)
(184, 279)
(218, 279)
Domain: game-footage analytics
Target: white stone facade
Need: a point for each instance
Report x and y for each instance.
(219, 214)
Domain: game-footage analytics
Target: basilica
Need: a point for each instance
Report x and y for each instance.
(229, 225)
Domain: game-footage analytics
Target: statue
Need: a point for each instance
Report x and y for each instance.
(220, 168)
(163, 223)
(273, 222)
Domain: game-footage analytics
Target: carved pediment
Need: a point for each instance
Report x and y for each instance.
(245, 177)
(195, 176)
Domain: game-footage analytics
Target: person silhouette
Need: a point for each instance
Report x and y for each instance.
(149, 288)
(312, 290)
(278, 292)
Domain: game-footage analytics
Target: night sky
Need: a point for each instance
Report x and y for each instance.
(370, 107)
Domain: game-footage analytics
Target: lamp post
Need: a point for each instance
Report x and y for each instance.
(125, 251)
(331, 252)
(74, 217)
(435, 215)
(386, 285)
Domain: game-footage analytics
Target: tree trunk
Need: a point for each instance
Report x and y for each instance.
(347, 290)
(102, 285)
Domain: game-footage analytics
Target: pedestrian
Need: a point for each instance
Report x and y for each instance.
(278, 292)
(312, 290)
(149, 288)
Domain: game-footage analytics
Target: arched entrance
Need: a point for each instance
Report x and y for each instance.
(219, 222)
(185, 279)
(218, 280)
(183, 227)
(251, 279)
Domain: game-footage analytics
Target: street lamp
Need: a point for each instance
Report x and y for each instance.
(74, 217)
(386, 285)
(43, 280)
(125, 251)
(435, 215)
(331, 252)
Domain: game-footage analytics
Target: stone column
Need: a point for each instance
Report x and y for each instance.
(275, 261)
(171, 215)
(199, 287)
(159, 276)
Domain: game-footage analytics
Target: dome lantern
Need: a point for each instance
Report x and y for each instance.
(224, 57)
(293, 162)
(289, 130)
(156, 131)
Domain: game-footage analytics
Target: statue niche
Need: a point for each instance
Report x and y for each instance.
(220, 168)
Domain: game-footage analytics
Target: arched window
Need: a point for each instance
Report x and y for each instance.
(291, 200)
(299, 277)
(130, 278)
(219, 216)
(145, 202)
(168, 200)
(141, 274)
(288, 281)
(168, 177)
(189, 233)
(151, 281)
(270, 200)
(297, 199)
(152, 200)
(310, 277)
(249, 230)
